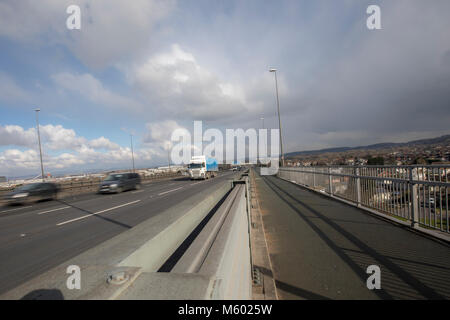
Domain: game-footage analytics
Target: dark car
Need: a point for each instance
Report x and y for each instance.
(33, 192)
(119, 182)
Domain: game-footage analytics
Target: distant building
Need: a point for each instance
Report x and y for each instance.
(3, 179)
(350, 162)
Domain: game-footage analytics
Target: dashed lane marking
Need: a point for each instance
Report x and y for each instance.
(15, 209)
(57, 209)
(160, 194)
(96, 213)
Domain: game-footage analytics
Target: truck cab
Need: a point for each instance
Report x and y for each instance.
(202, 167)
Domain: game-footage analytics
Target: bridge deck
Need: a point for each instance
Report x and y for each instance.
(321, 248)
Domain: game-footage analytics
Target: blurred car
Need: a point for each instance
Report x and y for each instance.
(119, 182)
(33, 192)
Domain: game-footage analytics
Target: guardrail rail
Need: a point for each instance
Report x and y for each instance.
(78, 186)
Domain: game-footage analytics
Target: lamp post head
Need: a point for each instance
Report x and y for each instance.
(272, 70)
(37, 109)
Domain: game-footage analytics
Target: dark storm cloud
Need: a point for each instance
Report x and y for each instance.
(393, 83)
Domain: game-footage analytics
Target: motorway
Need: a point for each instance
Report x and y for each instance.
(320, 249)
(37, 237)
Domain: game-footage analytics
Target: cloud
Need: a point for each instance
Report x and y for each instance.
(10, 91)
(393, 81)
(156, 141)
(59, 138)
(27, 161)
(181, 88)
(92, 89)
(17, 159)
(160, 132)
(53, 137)
(103, 143)
(109, 28)
(339, 83)
(17, 136)
(65, 160)
(64, 149)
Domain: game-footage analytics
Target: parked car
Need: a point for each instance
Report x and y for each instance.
(119, 182)
(33, 192)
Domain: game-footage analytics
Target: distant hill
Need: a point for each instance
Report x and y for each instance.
(438, 140)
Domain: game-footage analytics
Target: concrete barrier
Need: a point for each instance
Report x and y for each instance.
(228, 262)
(221, 252)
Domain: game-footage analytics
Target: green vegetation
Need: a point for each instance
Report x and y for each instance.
(375, 161)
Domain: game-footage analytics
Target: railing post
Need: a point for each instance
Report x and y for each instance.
(314, 178)
(414, 200)
(358, 188)
(330, 182)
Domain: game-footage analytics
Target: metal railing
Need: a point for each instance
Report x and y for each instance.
(416, 194)
(79, 186)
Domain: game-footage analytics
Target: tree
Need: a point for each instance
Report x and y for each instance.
(420, 161)
(376, 161)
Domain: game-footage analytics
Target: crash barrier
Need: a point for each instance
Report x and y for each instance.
(215, 265)
(221, 252)
(72, 187)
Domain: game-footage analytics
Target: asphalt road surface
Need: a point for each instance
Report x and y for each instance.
(320, 249)
(37, 237)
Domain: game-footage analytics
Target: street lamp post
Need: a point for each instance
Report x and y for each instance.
(39, 141)
(168, 156)
(279, 119)
(132, 153)
(259, 155)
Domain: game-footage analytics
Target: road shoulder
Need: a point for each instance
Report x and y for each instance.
(263, 283)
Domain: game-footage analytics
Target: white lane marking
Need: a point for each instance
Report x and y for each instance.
(195, 183)
(138, 191)
(15, 209)
(160, 194)
(62, 208)
(93, 214)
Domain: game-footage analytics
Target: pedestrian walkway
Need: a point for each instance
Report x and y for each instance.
(320, 249)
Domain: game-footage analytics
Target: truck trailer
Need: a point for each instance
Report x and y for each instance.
(202, 167)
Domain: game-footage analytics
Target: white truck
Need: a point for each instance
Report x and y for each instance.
(202, 167)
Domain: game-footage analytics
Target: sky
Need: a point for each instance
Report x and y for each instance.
(148, 67)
